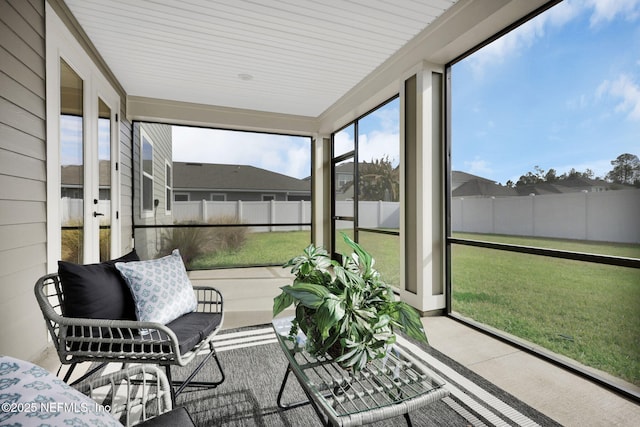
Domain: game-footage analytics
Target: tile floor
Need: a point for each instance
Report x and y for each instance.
(559, 394)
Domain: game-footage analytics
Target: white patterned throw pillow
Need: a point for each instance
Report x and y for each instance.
(161, 288)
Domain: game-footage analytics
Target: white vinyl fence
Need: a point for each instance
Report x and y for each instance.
(612, 216)
(269, 212)
(71, 211)
(372, 214)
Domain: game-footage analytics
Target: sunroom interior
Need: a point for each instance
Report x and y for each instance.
(304, 70)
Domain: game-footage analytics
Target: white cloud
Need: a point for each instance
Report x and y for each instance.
(607, 10)
(478, 166)
(288, 155)
(522, 37)
(601, 12)
(626, 91)
(378, 145)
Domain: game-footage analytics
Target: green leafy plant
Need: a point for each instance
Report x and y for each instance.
(344, 308)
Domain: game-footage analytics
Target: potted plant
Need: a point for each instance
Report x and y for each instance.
(344, 308)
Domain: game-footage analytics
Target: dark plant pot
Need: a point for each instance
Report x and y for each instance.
(335, 350)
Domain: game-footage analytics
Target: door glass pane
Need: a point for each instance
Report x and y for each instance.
(385, 249)
(343, 184)
(379, 167)
(104, 167)
(343, 227)
(71, 163)
(343, 141)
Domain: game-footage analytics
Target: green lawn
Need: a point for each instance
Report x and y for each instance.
(273, 248)
(588, 312)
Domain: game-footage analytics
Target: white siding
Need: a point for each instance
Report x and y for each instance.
(22, 176)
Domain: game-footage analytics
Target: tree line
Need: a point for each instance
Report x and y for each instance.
(626, 171)
(380, 180)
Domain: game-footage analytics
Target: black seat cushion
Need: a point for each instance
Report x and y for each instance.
(191, 328)
(96, 291)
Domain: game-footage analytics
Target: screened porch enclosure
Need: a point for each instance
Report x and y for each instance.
(376, 117)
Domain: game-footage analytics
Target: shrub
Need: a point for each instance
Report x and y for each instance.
(227, 238)
(196, 241)
(72, 243)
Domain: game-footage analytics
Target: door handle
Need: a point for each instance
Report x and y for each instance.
(97, 214)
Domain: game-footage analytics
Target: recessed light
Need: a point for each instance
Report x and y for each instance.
(245, 77)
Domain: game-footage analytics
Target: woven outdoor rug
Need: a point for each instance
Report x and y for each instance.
(255, 365)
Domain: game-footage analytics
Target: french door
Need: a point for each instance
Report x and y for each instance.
(82, 154)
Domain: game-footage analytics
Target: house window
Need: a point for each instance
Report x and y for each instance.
(180, 197)
(268, 197)
(533, 138)
(218, 197)
(146, 189)
(168, 185)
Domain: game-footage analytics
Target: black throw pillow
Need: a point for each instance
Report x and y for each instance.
(97, 291)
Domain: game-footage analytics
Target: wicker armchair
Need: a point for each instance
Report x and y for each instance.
(138, 395)
(127, 341)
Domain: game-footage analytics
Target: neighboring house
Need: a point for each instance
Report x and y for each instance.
(72, 180)
(467, 185)
(482, 188)
(459, 178)
(569, 185)
(220, 182)
(343, 180)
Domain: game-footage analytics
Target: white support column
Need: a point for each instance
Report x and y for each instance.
(423, 216)
(320, 190)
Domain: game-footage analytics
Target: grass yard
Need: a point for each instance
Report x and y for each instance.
(273, 248)
(588, 312)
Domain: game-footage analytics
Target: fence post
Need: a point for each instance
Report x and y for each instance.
(586, 214)
(272, 213)
(239, 210)
(203, 210)
(533, 214)
(301, 213)
(493, 214)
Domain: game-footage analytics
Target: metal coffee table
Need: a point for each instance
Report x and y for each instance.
(386, 388)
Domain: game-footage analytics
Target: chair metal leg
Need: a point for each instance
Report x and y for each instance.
(167, 368)
(408, 419)
(68, 373)
(181, 385)
(85, 376)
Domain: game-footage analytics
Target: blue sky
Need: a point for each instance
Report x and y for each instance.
(561, 91)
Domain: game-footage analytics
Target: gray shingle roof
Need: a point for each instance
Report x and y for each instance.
(221, 177)
(483, 187)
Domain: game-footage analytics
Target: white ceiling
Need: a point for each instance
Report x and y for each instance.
(286, 56)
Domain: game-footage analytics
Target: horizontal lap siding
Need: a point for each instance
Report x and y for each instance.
(22, 176)
(126, 184)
